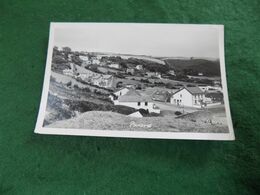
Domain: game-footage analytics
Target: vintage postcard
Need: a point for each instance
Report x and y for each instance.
(164, 81)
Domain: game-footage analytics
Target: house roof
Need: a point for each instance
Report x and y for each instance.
(102, 76)
(160, 95)
(107, 76)
(121, 89)
(136, 114)
(192, 90)
(133, 96)
(81, 70)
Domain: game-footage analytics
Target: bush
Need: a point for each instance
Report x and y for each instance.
(178, 113)
(169, 86)
(68, 84)
(190, 85)
(58, 59)
(86, 90)
(123, 109)
(144, 80)
(53, 79)
(154, 114)
(144, 112)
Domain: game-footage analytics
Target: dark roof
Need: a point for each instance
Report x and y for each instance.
(194, 90)
(133, 96)
(160, 95)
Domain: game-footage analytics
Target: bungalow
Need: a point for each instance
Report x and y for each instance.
(135, 100)
(139, 67)
(121, 92)
(70, 71)
(85, 74)
(94, 60)
(84, 58)
(153, 74)
(70, 57)
(172, 72)
(162, 96)
(130, 71)
(203, 87)
(188, 96)
(117, 66)
(101, 80)
(217, 83)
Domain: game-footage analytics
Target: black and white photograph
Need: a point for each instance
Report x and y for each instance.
(136, 80)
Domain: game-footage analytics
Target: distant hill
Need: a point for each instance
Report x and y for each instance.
(195, 66)
(128, 56)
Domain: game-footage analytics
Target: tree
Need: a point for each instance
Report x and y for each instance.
(66, 51)
(55, 51)
(119, 84)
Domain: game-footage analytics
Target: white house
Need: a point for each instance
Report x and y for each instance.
(121, 92)
(188, 96)
(154, 74)
(172, 72)
(68, 72)
(70, 57)
(84, 58)
(95, 61)
(130, 71)
(203, 87)
(117, 66)
(101, 80)
(118, 93)
(135, 100)
(139, 67)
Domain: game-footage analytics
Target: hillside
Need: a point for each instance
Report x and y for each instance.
(116, 121)
(128, 56)
(194, 66)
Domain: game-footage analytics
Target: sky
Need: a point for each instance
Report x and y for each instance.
(165, 40)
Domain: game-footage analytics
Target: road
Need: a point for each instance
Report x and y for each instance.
(166, 106)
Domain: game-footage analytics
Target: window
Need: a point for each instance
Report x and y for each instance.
(139, 103)
(195, 101)
(146, 103)
(180, 95)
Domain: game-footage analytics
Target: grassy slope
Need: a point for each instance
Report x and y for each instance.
(115, 121)
(207, 67)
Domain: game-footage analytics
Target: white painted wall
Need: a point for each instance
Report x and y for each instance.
(183, 97)
(121, 92)
(84, 58)
(95, 61)
(114, 66)
(149, 107)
